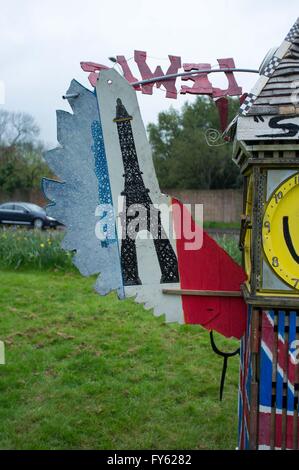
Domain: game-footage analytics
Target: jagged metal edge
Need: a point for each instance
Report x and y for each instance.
(75, 197)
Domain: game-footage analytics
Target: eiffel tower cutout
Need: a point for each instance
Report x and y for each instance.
(136, 193)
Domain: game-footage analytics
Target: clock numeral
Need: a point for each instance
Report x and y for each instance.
(278, 196)
(296, 179)
(296, 282)
(268, 226)
(275, 262)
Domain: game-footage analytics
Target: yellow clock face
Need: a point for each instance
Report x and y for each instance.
(280, 231)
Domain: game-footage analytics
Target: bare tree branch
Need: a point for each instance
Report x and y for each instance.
(17, 128)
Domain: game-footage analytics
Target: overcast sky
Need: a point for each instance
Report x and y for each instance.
(43, 42)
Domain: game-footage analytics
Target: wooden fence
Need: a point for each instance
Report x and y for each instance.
(219, 205)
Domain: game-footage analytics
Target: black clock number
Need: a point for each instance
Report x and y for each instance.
(296, 179)
(278, 196)
(268, 226)
(296, 281)
(275, 262)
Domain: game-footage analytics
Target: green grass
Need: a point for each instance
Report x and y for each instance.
(90, 372)
(231, 246)
(38, 250)
(221, 225)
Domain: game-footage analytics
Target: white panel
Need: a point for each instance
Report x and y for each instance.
(110, 87)
(282, 49)
(250, 129)
(262, 81)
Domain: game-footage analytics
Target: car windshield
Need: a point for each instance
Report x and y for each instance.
(35, 207)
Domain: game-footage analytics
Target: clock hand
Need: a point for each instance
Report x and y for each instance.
(288, 239)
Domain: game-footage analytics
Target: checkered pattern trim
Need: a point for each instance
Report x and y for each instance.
(293, 34)
(248, 102)
(270, 68)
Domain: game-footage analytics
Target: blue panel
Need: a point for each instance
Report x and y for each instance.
(291, 371)
(74, 203)
(105, 195)
(266, 359)
(266, 379)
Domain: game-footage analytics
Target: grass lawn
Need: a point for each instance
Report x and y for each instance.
(222, 225)
(87, 372)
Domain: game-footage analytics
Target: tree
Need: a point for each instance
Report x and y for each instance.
(182, 156)
(17, 128)
(21, 153)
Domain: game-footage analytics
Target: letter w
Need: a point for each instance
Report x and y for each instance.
(146, 73)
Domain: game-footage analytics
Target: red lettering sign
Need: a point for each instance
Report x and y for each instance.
(201, 83)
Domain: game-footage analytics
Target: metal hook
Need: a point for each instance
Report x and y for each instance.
(225, 356)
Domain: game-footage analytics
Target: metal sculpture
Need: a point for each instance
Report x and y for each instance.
(108, 197)
(266, 150)
(105, 167)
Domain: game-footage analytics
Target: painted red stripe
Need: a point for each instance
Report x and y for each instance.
(209, 268)
(264, 429)
(265, 418)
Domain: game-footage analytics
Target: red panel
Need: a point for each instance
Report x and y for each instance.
(93, 68)
(146, 73)
(267, 344)
(210, 268)
(202, 84)
(233, 88)
(222, 105)
(121, 60)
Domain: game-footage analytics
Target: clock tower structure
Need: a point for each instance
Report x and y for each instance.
(266, 148)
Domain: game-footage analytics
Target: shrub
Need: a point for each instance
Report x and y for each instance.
(21, 248)
(34, 249)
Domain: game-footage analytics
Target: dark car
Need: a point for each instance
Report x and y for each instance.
(25, 213)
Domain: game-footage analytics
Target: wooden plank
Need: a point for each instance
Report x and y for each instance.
(266, 380)
(278, 85)
(266, 301)
(275, 100)
(272, 147)
(281, 79)
(288, 110)
(279, 382)
(287, 63)
(292, 54)
(285, 357)
(273, 388)
(254, 391)
(294, 47)
(277, 92)
(291, 382)
(203, 293)
(263, 110)
(286, 71)
(255, 334)
(253, 419)
(290, 154)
